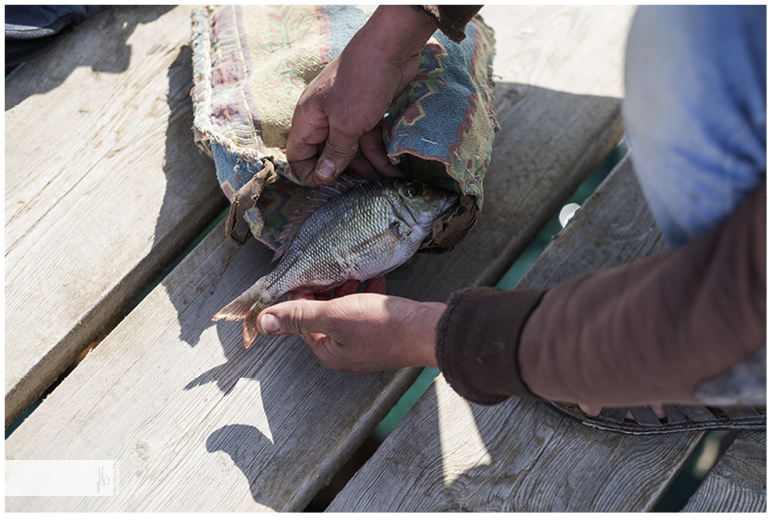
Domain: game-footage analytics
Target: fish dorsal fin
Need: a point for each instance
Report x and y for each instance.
(310, 206)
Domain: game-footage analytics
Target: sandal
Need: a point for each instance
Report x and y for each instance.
(679, 418)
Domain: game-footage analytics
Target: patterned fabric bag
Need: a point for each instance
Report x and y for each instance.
(250, 66)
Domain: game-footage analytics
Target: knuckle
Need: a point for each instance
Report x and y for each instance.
(342, 144)
(295, 318)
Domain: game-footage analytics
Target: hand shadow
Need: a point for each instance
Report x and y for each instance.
(244, 445)
(226, 375)
(222, 272)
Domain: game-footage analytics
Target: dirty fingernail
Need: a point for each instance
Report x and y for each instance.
(325, 169)
(270, 324)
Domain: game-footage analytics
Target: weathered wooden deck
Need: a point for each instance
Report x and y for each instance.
(104, 188)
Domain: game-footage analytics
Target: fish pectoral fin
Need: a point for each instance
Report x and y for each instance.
(392, 251)
(395, 229)
(371, 241)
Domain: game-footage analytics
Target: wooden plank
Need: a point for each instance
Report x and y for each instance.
(197, 423)
(558, 68)
(739, 480)
(449, 455)
(103, 185)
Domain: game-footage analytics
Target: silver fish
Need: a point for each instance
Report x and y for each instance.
(351, 230)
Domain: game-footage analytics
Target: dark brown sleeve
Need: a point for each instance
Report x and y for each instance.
(649, 332)
(450, 19)
(477, 340)
(639, 334)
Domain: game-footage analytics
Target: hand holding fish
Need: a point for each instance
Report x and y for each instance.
(350, 230)
(336, 124)
(363, 332)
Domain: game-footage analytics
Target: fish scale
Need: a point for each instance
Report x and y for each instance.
(350, 231)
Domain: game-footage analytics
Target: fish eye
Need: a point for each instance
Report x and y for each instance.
(413, 189)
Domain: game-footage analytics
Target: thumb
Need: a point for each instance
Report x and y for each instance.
(339, 150)
(293, 317)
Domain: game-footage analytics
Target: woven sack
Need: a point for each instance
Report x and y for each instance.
(250, 66)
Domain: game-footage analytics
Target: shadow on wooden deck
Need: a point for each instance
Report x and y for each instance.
(102, 46)
(522, 193)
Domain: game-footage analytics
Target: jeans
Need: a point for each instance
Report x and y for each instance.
(695, 111)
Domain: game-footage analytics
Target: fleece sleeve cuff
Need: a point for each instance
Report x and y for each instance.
(450, 19)
(477, 342)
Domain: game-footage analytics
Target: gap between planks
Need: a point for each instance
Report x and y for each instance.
(519, 198)
(450, 455)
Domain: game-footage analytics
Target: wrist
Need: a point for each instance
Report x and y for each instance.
(397, 32)
(424, 328)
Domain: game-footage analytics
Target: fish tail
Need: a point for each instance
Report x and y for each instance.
(246, 307)
(250, 331)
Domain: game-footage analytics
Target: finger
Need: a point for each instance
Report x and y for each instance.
(309, 129)
(339, 150)
(300, 295)
(376, 285)
(361, 168)
(324, 295)
(303, 169)
(349, 287)
(591, 410)
(313, 339)
(659, 411)
(373, 148)
(371, 175)
(293, 317)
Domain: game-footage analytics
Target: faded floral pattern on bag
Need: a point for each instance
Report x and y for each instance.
(251, 64)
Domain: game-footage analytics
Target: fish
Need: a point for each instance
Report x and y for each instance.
(348, 230)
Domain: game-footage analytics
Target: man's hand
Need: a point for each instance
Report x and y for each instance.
(362, 332)
(337, 121)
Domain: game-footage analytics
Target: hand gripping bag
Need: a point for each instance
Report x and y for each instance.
(250, 66)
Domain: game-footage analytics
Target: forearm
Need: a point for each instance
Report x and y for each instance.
(401, 31)
(653, 330)
(395, 33)
(647, 332)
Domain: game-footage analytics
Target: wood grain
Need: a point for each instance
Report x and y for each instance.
(104, 186)
(449, 455)
(197, 423)
(739, 480)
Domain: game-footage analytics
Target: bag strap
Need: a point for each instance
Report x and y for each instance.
(245, 199)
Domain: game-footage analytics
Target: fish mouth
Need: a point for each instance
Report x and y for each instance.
(448, 204)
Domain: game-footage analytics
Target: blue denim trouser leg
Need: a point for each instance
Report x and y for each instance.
(695, 111)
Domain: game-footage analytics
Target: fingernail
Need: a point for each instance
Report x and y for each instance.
(325, 169)
(270, 324)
